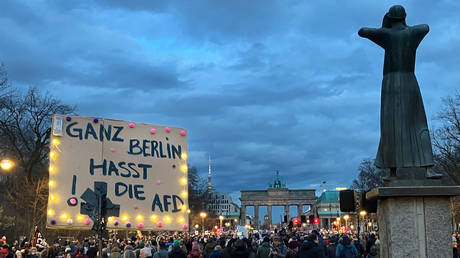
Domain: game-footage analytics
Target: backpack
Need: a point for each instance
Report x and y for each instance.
(347, 252)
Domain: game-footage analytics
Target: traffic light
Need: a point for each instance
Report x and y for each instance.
(303, 219)
(315, 221)
(296, 221)
(368, 205)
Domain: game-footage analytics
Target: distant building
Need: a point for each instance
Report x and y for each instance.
(222, 204)
(328, 208)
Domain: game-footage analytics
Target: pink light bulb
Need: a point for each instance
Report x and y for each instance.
(158, 181)
(73, 201)
(152, 131)
(185, 226)
(112, 149)
(183, 132)
(159, 224)
(131, 125)
(87, 221)
(168, 130)
(140, 225)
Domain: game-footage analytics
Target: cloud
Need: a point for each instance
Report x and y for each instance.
(259, 85)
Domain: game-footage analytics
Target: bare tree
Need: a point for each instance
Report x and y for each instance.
(369, 176)
(446, 139)
(25, 129)
(25, 122)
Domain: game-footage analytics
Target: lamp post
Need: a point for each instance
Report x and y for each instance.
(203, 216)
(221, 218)
(362, 213)
(346, 217)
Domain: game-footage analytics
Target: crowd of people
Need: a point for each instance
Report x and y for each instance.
(282, 244)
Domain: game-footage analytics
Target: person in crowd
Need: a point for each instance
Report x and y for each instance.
(320, 241)
(264, 249)
(345, 249)
(279, 249)
(128, 252)
(176, 251)
(240, 249)
(375, 250)
(162, 252)
(293, 248)
(216, 252)
(195, 252)
(81, 253)
(115, 253)
(92, 250)
(310, 248)
(331, 248)
(358, 246)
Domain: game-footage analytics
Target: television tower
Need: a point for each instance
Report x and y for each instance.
(209, 175)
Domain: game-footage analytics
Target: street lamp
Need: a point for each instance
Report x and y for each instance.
(221, 218)
(346, 217)
(203, 215)
(362, 213)
(6, 164)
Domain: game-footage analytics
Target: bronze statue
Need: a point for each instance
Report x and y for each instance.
(404, 136)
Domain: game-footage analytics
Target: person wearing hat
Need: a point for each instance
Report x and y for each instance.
(195, 253)
(176, 251)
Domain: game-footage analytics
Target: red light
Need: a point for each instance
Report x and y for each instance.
(296, 221)
(316, 221)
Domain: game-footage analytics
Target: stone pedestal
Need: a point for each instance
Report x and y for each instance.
(415, 221)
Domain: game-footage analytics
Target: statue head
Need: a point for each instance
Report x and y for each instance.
(397, 13)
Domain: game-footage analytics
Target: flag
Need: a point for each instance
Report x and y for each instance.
(39, 241)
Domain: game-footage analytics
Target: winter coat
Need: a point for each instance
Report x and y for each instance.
(209, 248)
(226, 252)
(291, 253)
(310, 249)
(240, 253)
(176, 252)
(195, 253)
(215, 254)
(163, 253)
(341, 250)
(331, 249)
(281, 250)
(264, 250)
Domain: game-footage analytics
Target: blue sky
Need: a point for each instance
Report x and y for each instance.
(259, 85)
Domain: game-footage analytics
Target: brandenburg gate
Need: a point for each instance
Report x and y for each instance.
(276, 195)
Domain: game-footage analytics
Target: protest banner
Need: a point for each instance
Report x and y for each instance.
(144, 168)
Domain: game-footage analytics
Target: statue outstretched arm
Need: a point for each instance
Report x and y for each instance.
(376, 35)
